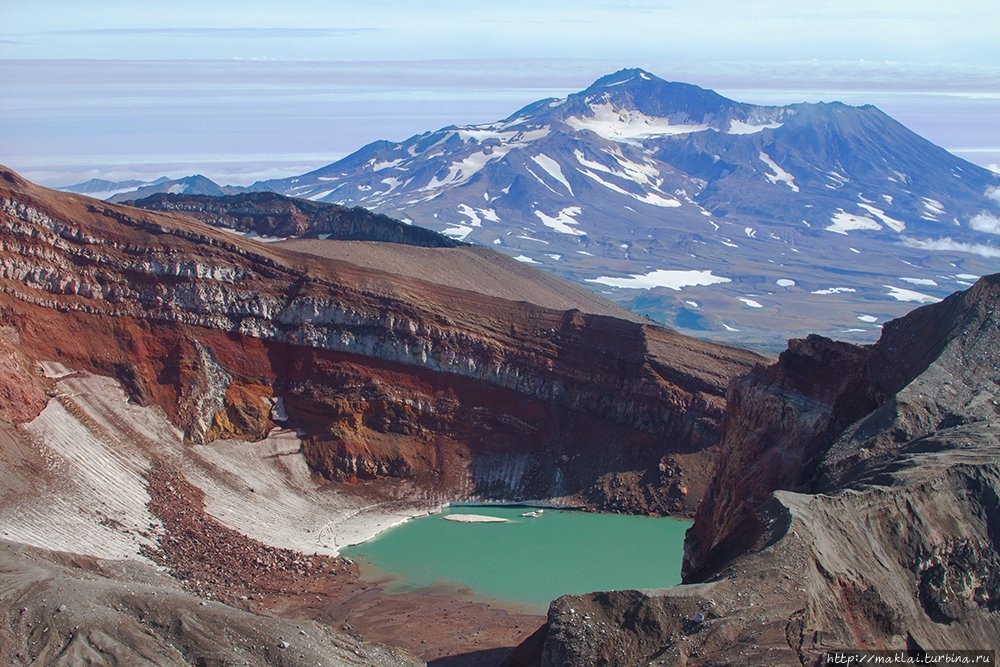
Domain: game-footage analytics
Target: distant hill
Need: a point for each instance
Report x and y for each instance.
(268, 214)
(100, 188)
(118, 191)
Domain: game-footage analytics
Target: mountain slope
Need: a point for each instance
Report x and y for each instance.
(855, 506)
(708, 214)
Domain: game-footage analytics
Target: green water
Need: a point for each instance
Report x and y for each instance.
(530, 561)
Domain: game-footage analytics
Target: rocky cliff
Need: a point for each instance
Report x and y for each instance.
(271, 214)
(855, 505)
(461, 392)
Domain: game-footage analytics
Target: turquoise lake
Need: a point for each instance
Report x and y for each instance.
(527, 561)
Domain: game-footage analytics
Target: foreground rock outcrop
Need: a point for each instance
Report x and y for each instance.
(64, 609)
(462, 393)
(855, 506)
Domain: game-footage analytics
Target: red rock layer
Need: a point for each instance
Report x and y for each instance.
(387, 376)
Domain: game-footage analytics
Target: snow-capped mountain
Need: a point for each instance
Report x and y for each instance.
(710, 215)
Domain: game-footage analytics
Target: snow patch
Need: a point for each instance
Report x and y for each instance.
(784, 282)
(920, 281)
(751, 303)
(871, 319)
(457, 232)
(900, 294)
(742, 127)
(563, 222)
(470, 213)
(834, 290)
(462, 170)
(892, 223)
(842, 222)
(674, 280)
(526, 259)
(489, 214)
(553, 169)
(778, 174)
(628, 126)
(384, 164)
(648, 198)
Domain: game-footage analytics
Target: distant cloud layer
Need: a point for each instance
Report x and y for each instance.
(949, 244)
(985, 222)
(236, 121)
(210, 33)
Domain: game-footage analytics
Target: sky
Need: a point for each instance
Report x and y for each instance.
(245, 89)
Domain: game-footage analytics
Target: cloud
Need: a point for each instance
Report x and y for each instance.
(948, 244)
(985, 222)
(230, 33)
(993, 192)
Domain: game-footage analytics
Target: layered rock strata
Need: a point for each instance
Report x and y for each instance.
(469, 394)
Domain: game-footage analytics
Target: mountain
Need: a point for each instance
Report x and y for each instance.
(233, 411)
(854, 506)
(103, 189)
(730, 221)
(134, 189)
(189, 185)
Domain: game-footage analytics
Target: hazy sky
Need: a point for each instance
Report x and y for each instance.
(958, 31)
(294, 85)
